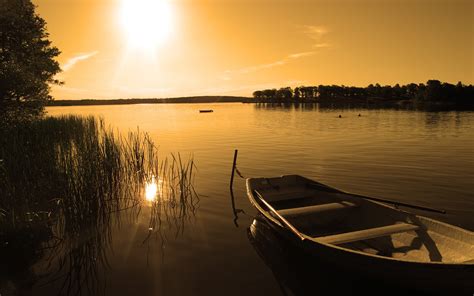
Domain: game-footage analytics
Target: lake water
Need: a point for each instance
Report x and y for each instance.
(424, 158)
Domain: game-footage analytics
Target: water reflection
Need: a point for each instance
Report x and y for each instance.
(151, 189)
(62, 245)
(77, 263)
(288, 106)
(235, 210)
(384, 152)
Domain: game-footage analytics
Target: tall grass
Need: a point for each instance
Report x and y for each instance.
(62, 179)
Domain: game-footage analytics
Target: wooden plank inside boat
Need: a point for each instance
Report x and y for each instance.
(367, 233)
(309, 210)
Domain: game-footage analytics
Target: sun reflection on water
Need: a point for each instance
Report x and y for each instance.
(151, 190)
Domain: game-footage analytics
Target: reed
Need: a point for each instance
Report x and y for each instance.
(63, 180)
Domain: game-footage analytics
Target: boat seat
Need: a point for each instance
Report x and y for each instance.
(316, 209)
(359, 235)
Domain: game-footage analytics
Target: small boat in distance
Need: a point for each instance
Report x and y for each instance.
(365, 236)
(206, 111)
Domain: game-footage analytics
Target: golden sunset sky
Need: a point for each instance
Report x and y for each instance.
(169, 48)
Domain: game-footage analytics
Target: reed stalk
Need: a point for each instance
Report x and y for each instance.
(64, 180)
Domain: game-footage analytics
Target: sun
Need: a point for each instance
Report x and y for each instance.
(146, 23)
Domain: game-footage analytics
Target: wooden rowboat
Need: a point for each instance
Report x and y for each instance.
(365, 236)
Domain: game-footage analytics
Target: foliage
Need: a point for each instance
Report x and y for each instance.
(27, 65)
(432, 91)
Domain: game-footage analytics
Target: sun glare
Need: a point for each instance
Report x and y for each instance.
(151, 190)
(146, 23)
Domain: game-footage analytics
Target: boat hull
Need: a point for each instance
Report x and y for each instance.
(453, 279)
(433, 277)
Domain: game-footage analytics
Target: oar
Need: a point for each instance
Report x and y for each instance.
(397, 203)
(280, 217)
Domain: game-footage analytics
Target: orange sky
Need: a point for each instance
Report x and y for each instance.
(233, 47)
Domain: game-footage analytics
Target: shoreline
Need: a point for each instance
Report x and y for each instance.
(363, 103)
(133, 101)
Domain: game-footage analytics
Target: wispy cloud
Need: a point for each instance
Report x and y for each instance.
(300, 55)
(260, 67)
(79, 57)
(321, 45)
(317, 34)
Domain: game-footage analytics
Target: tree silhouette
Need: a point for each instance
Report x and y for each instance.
(27, 65)
(284, 94)
(434, 92)
(297, 94)
(258, 95)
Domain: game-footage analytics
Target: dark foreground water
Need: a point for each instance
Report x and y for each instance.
(422, 158)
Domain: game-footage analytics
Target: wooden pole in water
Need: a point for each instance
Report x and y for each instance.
(232, 199)
(233, 168)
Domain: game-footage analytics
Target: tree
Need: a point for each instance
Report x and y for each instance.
(27, 65)
(284, 94)
(297, 94)
(433, 90)
(269, 94)
(412, 90)
(307, 92)
(258, 95)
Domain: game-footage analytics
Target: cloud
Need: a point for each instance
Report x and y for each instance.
(300, 55)
(260, 67)
(315, 32)
(79, 57)
(321, 45)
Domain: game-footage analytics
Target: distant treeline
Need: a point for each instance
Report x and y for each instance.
(200, 99)
(434, 91)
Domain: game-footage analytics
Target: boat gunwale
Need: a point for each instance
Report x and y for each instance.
(266, 214)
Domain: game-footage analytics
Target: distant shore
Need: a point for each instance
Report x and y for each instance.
(197, 99)
(342, 102)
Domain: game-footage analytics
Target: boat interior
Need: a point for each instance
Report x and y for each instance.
(327, 215)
